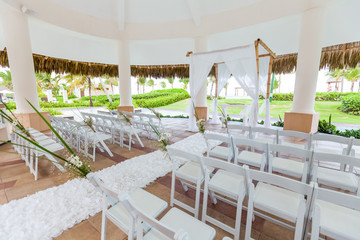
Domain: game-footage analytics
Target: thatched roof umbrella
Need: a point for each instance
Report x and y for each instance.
(59, 66)
(337, 56)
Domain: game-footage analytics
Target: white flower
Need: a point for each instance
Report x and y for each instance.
(15, 123)
(75, 160)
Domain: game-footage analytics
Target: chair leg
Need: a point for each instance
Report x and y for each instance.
(300, 221)
(238, 218)
(172, 194)
(103, 226)
(197, 199)
(250, 212)
(204, 208)
(184, 185)
(213, 197)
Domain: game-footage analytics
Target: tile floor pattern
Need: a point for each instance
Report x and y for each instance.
(16, 182)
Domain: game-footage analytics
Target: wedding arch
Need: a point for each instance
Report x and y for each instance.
(250, 65)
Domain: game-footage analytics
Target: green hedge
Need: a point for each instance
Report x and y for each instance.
(351, 104)
(160, 101)
(320, 96)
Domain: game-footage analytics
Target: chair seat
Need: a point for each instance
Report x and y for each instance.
(45, 142)
(288, 166)
(278, 201)
(227, 183)
(300, 146)
(339, 179)
(146, 202)
(190, 170)
(176, 220)
(264, 140)
(252, 158)
(336, 221)
(52, 147)
(221, 152)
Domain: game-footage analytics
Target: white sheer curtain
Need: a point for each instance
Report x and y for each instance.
(200, 66)
(223, 76)
(263, 79)
(244, 70)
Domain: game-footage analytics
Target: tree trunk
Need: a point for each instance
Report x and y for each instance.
(359, 87)
(112, 88)
(352, 86)
(144, 88)
(138, 85)
(91, 102)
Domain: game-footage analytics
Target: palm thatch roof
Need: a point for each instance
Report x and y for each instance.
(337, 56)
(332, 57)
(49, 64)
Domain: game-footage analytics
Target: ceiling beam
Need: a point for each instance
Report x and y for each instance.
(121, 15)
(195, 11)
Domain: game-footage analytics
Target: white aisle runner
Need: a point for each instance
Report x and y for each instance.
(46, 214)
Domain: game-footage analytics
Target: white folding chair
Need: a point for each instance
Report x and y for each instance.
(264, 135)
(355, 149)
(239, 131)
(287, 138)
(223, 152)
(328, 143)
(335, 215)
(278, 196)
(298, 168)
(229, 181)
(191, 171)
(337, 178)
(117, 213)
(175, 224)
(251, 158)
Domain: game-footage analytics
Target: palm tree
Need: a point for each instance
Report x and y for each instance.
(151, 83)
(336, 74)
(171, 81)
(112, 81)
(185, 81)
(163, 84)
(81, 82)
(45, 80)
(6, 77)
(352, 74)
(142, 82)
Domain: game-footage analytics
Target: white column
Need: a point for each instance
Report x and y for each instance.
(18, 45)
(124, 73)
(308, 60)
(201, 46)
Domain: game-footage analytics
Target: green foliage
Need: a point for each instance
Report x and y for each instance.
(351, 104)
(320, 96)
(52, 111)
(279, 123)
(163, 84)
(160, 101)
(6, 79)
(175, 116)
(185, 82)
(326, 127)
(208, 97)
(112, 106)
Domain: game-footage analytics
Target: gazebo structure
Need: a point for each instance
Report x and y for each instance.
(118, 39)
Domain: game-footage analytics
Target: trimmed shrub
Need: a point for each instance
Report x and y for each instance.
(320, 96)
(351, 104)
(52, 111)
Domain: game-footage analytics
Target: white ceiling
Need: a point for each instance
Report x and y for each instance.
(88, 32)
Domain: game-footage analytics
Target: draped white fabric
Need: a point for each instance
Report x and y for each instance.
(200, 66)
(240, 62)
(263, 79)
(223, 76)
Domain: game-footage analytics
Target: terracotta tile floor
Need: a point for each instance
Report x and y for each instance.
(16, 182)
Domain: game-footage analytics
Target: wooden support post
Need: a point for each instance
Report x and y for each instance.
(257, 57)
(269, 78)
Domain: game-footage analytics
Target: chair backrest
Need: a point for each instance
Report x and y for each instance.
(264, 130)
(280, 181)
(342, 159)
(330, 138)
(288, 133)
(241, 127)
(338, 198)
(249, 142)
(141, 217)
(176, 154)
(229, 167)
(217, 136)
(302, 153)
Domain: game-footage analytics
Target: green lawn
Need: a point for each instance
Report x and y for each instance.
(280, 107)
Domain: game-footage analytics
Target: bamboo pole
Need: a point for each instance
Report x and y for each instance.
(269, 78)
(266, 47)
(216, 79)
(257, 58)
